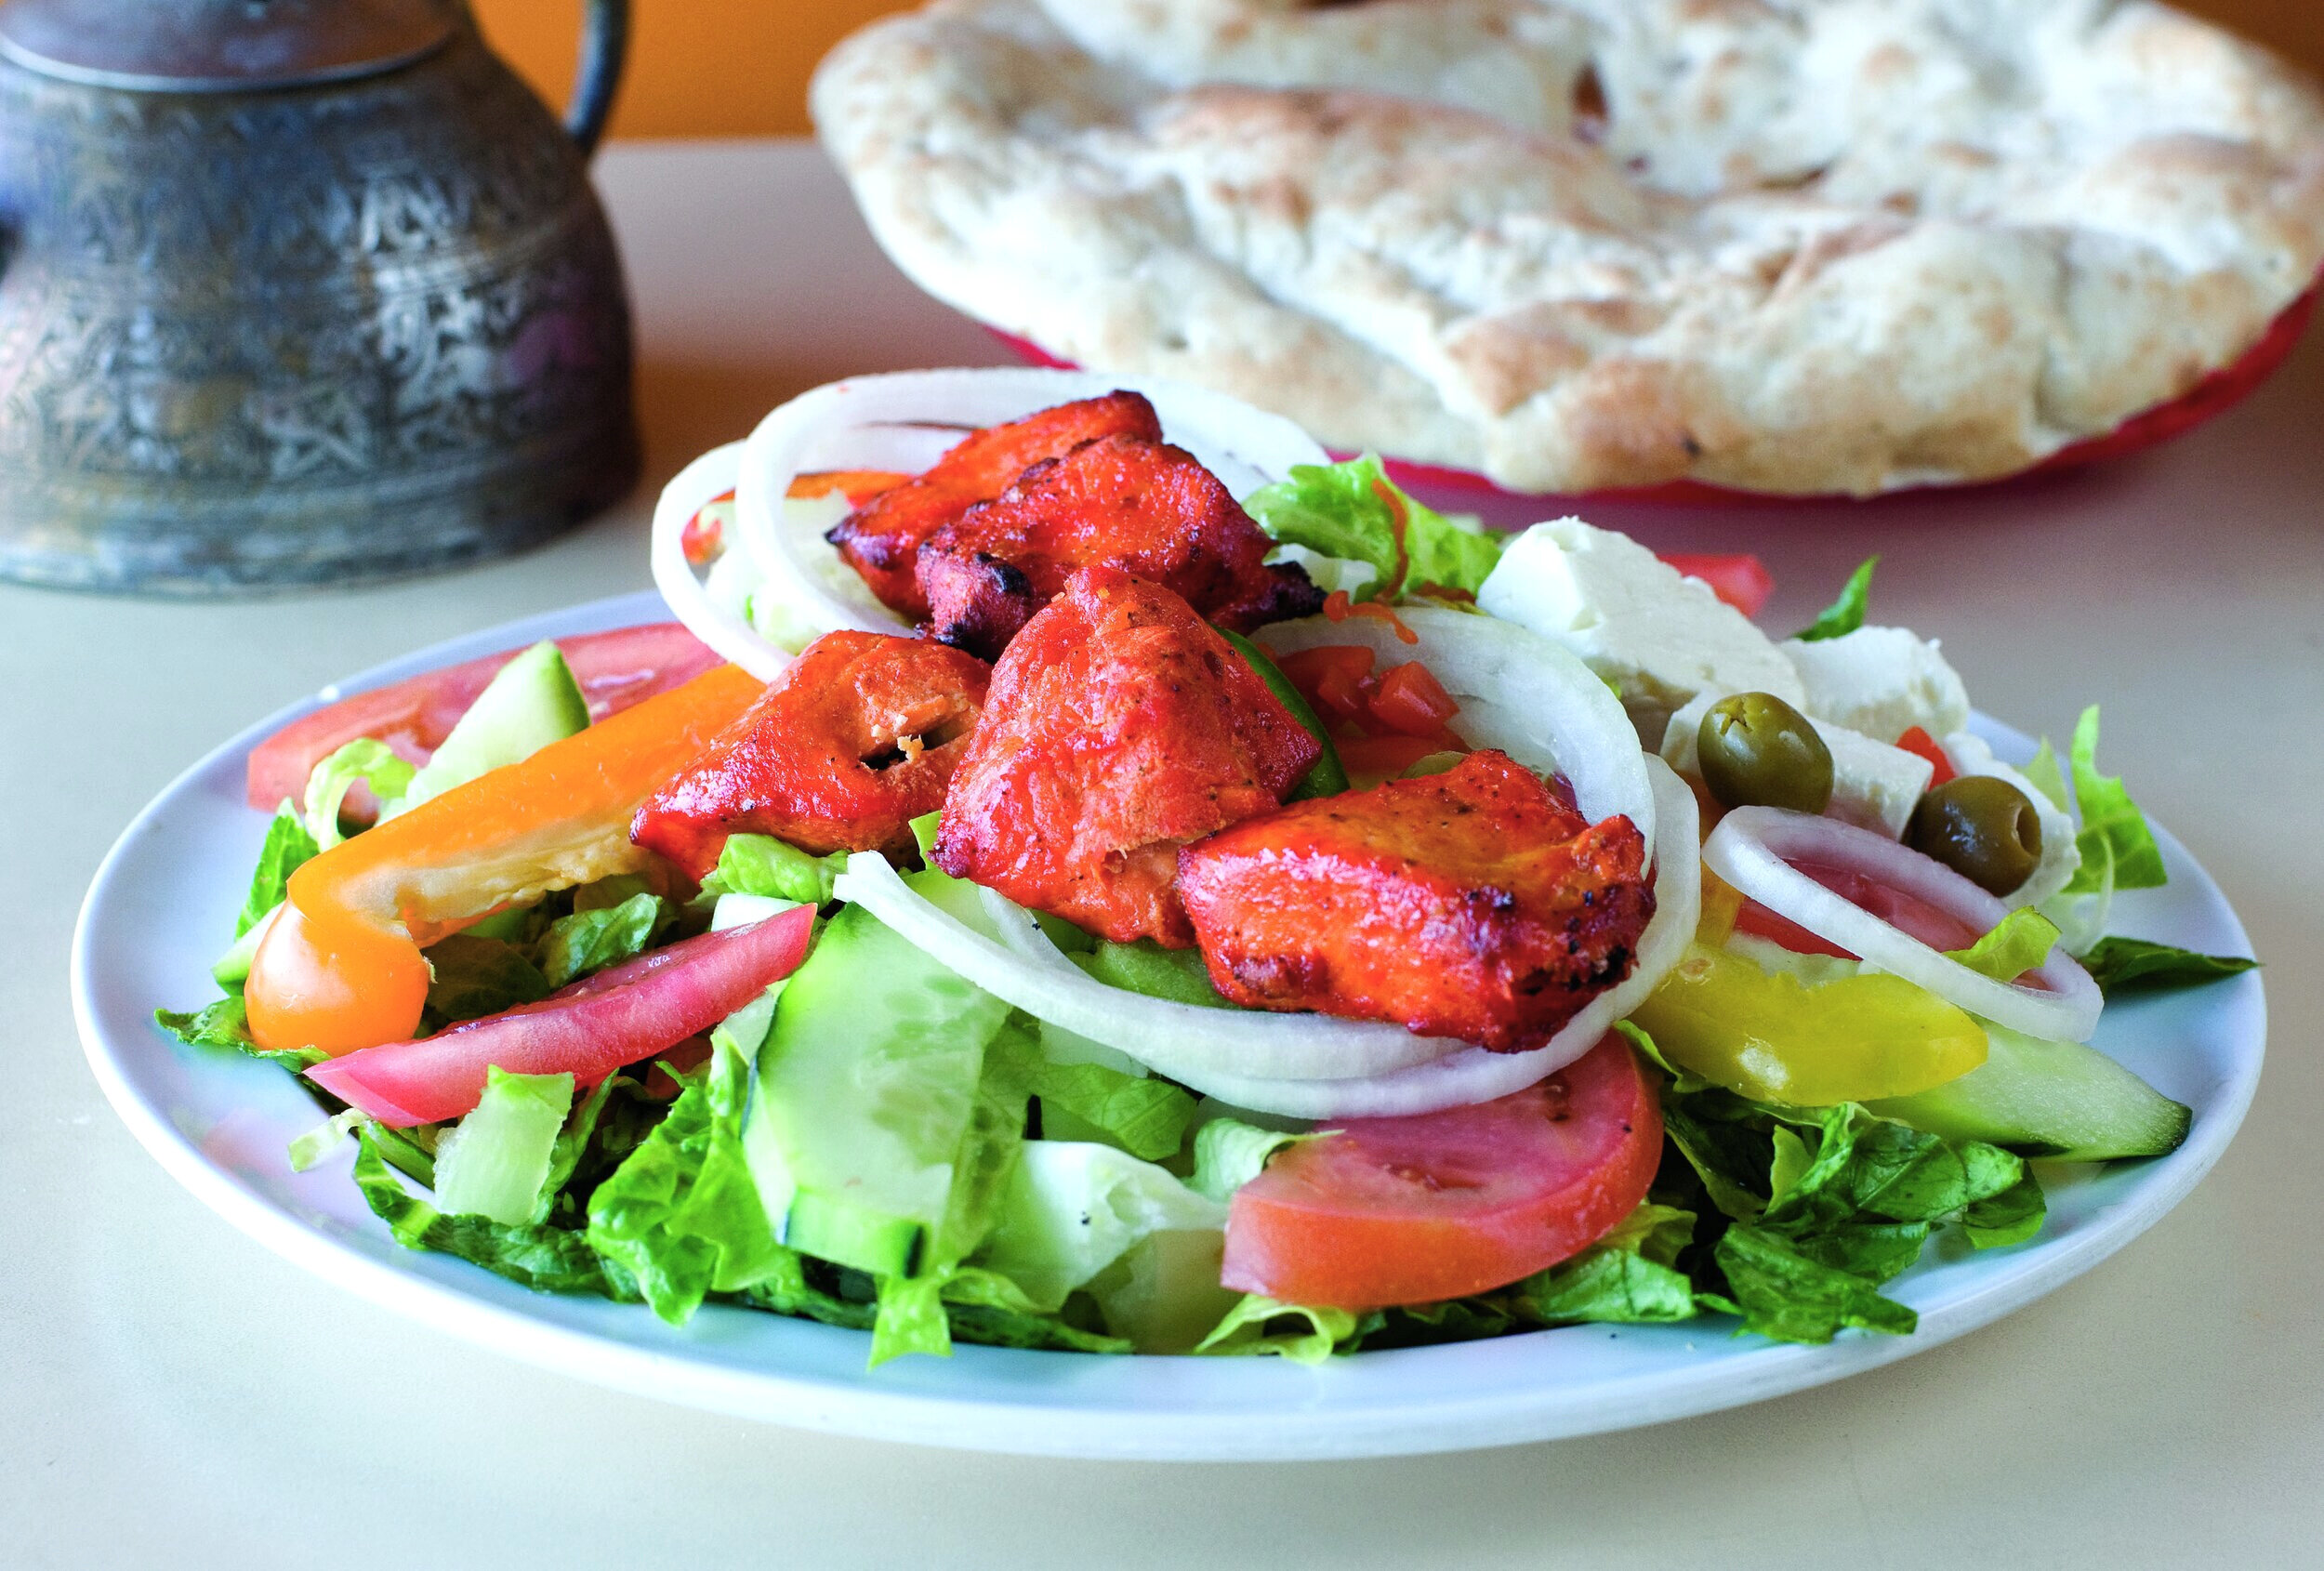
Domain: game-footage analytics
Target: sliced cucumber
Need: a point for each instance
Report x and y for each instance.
(532, 701)
(864, 1095)
(2047, 1098)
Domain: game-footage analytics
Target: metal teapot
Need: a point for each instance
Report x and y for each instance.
(297, 292)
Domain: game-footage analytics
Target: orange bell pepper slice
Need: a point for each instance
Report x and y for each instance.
(340, 968)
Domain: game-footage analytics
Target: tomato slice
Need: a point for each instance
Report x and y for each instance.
(615, 670)
(1438, 1205)
(1740, 579)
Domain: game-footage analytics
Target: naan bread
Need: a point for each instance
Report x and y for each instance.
(1791, 245)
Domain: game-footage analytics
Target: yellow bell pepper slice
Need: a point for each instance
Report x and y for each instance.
(1772, 1037)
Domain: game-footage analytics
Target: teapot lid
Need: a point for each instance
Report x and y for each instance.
(218, 45)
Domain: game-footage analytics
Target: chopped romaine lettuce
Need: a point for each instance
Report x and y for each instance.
(2136, 964)
(1846, 615)
(1073, 1208)
(762, 865)
(365, 759)
(495, 1162)
(591, 941)
(289, 846)
(2118, 848)
(1351, 510)
(474, 977)
(2018, 943)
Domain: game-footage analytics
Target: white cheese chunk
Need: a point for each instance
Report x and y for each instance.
(1873, 785)
(1881, 682)
(1657, 635)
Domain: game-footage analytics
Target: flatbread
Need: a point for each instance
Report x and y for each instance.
(1790, 246)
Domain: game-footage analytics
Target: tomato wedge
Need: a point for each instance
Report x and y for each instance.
(1438, 1205)
(1740, 579)
(592, 1028)
(615, 670)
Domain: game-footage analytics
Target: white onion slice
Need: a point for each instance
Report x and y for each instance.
(1472, 1075)
(1519, 691)
(1753, 849)
(906, 420)
(1185, 1041)
(1968, 753)
(723, 628)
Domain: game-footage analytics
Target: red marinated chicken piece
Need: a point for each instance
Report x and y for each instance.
(1120, 728)
(882, 539)
(1475, 904)
(842, 751)
(1141, 506)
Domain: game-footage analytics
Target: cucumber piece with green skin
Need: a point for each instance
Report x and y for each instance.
(2047, 1098)
(1327, 776)
(864, 1091)
(532, 701)
(233, 967)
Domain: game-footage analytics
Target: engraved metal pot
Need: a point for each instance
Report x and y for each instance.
(297, 292)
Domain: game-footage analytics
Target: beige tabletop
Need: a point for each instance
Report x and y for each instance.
(173, 1395)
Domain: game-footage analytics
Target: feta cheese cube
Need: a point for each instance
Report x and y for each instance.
(1881, 682)
(1659, 636)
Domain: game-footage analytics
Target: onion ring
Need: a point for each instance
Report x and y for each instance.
(693, 488)
(1472, 1075)
(1185, 1041)
(907, 420)
(1749, 850)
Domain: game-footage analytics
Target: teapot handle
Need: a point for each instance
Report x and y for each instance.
(604, 45)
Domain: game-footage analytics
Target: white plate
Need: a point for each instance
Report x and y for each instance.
(163, 906)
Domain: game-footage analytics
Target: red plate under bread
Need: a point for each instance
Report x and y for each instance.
(2218, 391)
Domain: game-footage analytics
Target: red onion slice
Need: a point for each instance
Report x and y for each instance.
(1753, 847)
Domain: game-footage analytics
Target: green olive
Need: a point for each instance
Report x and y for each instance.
(1759, 751)
(1980, 827)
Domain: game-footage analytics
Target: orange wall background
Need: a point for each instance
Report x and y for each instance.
(739, 67)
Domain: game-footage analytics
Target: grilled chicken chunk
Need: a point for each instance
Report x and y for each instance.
(882, 539)
(842, 751)
(1141, 506)
(1119, 727)
(1475, 904)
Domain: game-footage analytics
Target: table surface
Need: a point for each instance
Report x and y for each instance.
(176, 1395)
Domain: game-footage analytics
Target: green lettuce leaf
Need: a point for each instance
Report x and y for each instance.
(365, 759)
(2022, 940)
(1846, 615)
(2136, 965)
(592, 940)
(681, 1214)
(1301, 1333)
(2010, 1217)
(1629, 1277)
(551, 1259)
(474, 977)
(1073, 1208)
(1145, 1116)
(1176, 975)
(1349, 511)
(496, 1161)
(288, 847)
(1788, 1296)
(1229, 1154)
(226, 1024)
(2114, 836)
(764, 865)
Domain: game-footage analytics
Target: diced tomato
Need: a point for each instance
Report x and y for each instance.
(1921, 745)
(615, 670)
(1914, 916)
(1740, 579)
(1438, 1205)
(1411, 702)
(1331, 679)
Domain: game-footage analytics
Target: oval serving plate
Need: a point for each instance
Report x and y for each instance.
(164, 901)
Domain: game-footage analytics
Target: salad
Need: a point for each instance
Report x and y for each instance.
(1090, 872)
